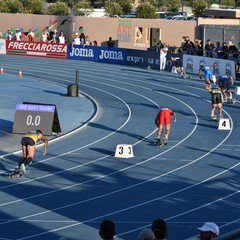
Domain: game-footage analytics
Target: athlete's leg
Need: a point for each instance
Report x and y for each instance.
(168, 126)
(220, 109)
(24, 151)
(31, 151)
(207, 81)
(224, 94)
(28, 160)
(214, 106)
(160, 129)
(230, 94)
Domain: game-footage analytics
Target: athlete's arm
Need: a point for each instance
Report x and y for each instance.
(157, 120)
(200, 73)
(174, 117)
(173, 114)
(45, 140)
(231, 80)
(208, 88)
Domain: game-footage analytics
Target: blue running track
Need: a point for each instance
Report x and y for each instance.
(79, 182)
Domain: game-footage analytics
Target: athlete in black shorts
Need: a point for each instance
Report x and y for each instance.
(224, 83)
(217, 100)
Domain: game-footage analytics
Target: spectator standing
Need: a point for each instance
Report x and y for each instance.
(44, 36)
(183, 42)
(163, 56)
(218, 50)
(232, 50)
(188, 46)
(87, 41)
(209, 231)
(30, 35)
(159, 46)
(238, 59)
(209, 49)
(9, 35)
(107, 230)
(110, 42)
(95, 43)
(18, 35)
(146, 234)
(82, 35)
(82, 38)
(159, 227)
(61, 38)
(224, 52)
(76, 40)
(198, 47)
(54, 37)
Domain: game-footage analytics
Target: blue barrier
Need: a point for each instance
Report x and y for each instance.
(142, 58)
(97, 54)
(122, 56)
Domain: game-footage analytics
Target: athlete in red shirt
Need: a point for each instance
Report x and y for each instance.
(164, 117)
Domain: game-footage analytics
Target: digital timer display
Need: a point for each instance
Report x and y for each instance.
(29, 117)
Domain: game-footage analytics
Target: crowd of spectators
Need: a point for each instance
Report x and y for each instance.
(52, 36)
(213, 50)
(158, 231)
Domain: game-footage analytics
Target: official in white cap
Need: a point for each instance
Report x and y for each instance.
(209, 230)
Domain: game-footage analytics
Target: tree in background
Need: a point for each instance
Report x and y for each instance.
(146, 10)
(70, 3)
(12, 6)
(113, 9)
(3, 6)
(237, 3)
(33, 6)
(199, 7)
(83, 8)
(228, 4)
(126, 5)
(173, 5)
(161, 4)
(58, 8)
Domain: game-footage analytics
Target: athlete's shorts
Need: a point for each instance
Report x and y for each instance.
(165, 117)
(27, 141)
(216, 98)
(208, 75)
(225, 85)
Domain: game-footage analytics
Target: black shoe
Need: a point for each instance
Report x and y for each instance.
(164, 142)
(157, 142)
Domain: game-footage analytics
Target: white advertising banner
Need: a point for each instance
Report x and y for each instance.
(192, 64)
(2, 46)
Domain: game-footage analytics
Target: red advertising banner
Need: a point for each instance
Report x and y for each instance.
(38, 49)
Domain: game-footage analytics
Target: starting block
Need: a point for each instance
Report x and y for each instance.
(224, 124)
(124, 151)
(174, 69)
(237, 90)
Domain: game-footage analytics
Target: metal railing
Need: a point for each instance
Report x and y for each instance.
(233, 235)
